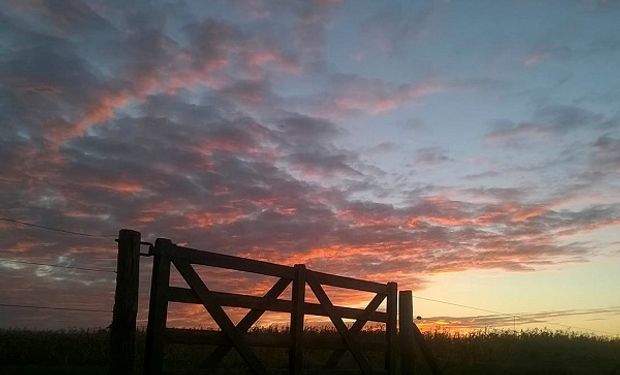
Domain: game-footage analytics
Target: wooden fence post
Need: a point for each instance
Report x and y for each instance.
(298, 298)
(405, 321)
(391, 328)
(158, 307)
(123, 327)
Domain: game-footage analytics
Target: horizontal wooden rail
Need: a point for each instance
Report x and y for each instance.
(184, 295)
(266, 340)
(349, 282)
(212, 259)
(208, 258)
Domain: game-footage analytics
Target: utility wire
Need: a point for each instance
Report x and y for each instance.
(58, 266)
(59, 230)
(52, 308)
(513, 315)
(465, 306)
(581, 328)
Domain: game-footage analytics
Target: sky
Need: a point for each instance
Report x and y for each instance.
(469, 151)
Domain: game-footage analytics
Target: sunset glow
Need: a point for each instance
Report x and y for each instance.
(469, 151)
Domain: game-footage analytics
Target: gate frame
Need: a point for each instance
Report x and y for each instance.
(165, 253)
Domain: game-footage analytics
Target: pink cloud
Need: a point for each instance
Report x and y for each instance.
(185, 69)
(372, 97)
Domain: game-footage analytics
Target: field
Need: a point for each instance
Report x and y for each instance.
(497, 352)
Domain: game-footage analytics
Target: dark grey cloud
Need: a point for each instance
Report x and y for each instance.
(393, 28)
(606, 153)
(322, 162)
(565, 118)
(548, 122)
(502, 194)
(300, 128)
(485, 174)
(381, 148)
(431, 156)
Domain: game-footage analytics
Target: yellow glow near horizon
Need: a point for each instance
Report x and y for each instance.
(579, 287)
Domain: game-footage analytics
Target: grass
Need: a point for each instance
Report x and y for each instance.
(53, 352)
(528, 352)
(505, 352)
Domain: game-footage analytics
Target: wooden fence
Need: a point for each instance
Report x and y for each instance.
(166, 255)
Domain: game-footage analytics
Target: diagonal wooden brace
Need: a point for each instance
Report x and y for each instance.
(428, 356)
(372, 306)
(328, 308)
(219, 316)
(248, 320)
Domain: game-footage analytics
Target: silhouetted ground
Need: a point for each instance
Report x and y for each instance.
(529, 352)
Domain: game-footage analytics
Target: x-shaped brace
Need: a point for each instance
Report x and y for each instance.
(221, 318)
(346, 335)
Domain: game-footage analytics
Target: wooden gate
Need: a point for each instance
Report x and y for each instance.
(166, 253)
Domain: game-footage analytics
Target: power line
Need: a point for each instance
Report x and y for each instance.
(58, 266)
(52, 308)
(59, 230)
(465, 306)
(581, 328)
(514, 315)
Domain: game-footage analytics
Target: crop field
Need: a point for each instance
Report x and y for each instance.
(497, 352)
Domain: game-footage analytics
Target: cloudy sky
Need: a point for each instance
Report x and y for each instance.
(469, 151)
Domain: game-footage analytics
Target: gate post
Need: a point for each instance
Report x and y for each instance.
(123, 327)
(298, 298)
(158, 307)
(391, 328)
(405, 322)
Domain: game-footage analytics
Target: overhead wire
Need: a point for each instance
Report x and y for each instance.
(53, 308)
(59, 230)
(56, 229)
(58, 266)
(569, 326)
(465, 306)
(514, 315)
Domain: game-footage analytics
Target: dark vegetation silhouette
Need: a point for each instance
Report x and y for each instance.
(479, 352)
